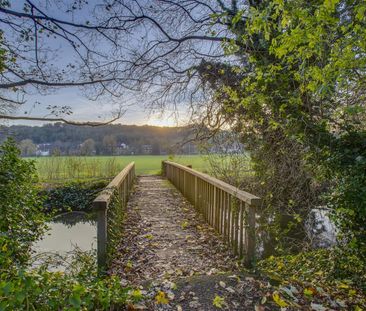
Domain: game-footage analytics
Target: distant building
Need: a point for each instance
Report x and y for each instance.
(146, 149)
(190, 149)
(122, 149)
(43, 150)
(40, 153)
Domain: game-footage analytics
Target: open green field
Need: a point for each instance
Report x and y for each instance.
(58, 168)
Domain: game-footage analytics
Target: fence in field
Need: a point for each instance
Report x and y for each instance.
(230, 211)
(118, 189)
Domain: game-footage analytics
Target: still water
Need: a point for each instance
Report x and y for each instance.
(67, 232)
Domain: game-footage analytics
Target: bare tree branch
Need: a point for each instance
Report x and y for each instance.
(87, 123)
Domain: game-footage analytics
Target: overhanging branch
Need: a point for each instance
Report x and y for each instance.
(87, 123)
(52, 84)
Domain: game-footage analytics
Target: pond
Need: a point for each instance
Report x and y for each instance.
(68, 232)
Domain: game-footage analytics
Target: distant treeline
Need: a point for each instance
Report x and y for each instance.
(64, 139)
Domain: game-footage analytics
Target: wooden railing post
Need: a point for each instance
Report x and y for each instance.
(195, 191)
(184, 183)
(250, 232)
(101, 208)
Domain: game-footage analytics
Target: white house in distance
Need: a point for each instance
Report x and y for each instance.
(40, 153)
(43, 150)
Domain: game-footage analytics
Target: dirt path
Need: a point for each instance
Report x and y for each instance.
(175, 257)
(164, 237)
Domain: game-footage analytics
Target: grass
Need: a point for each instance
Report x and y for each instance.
(58, 168)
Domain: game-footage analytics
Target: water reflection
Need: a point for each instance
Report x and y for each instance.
(68, 232)
(71, 219)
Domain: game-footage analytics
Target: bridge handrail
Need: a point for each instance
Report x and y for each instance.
(122, 183)
(229, 210)
(240, 194)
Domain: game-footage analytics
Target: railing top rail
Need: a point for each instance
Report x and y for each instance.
(240, 194)
(103, 199)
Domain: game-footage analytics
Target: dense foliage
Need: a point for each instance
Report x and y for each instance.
(72, 196)
(22, 220)
(39, 289)
(297, 96)
(335, 277)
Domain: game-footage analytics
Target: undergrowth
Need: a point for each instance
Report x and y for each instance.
(332, 275)
(22, 222)
(72, 196)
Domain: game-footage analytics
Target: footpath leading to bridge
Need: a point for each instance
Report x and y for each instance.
(177, 257)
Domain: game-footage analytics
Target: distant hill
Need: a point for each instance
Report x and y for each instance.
(65, 139)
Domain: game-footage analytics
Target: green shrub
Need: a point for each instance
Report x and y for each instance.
(72, 196)
(326, 267)
(346, 163)
(79, 289)
(22, 221)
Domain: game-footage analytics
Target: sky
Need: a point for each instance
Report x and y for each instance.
(84, 109)
(88, 110)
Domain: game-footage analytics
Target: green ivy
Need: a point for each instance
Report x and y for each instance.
(22, 221)
(72, 196)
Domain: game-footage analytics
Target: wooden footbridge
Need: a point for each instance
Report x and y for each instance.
(227, 211)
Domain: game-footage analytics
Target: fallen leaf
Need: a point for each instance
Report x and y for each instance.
(277, 299)
(129, 265)
(136, 295)
(288, 291)
(264, 300)
(317, 307)
(218, 302)
(352, 292)
(230, 290)
(309, 292)
(342, 285)
(161, 298)
(184, 224)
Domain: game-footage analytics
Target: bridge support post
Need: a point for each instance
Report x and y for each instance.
(184, 183)
(250, 232)
(195, 192)
(101, 208)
